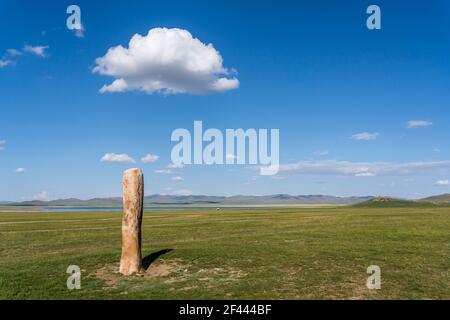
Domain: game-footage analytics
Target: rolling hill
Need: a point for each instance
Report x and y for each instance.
(158, 199)
(386, 202)
(440, 199)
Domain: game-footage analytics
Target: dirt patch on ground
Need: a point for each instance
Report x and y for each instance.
(109, 274)
(164, 268)
(173, 272)
(160, 270)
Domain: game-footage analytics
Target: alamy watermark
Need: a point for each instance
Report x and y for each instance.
(236, 146)
(73, 21)
(74, 280)
(374, 20)
(374, 280)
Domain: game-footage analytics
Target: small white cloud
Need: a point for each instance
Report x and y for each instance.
(418, 124)
(175, 166)
(5, 63)
(149, 158)
(436, 150)
(21, 170)
(2, 145)
(178, 178)
(442, 183)
(181, 192)
(13, 52)
(365, 174)
(163, 171)
(321, 153)
(36, 50)
(165, 60)
(365, 136)
(41, 196)
(113, 157)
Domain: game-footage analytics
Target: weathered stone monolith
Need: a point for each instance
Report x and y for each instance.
(133, 202)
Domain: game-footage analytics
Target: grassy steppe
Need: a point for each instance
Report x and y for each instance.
(319, 253)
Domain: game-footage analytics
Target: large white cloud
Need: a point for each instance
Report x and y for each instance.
(168, 61)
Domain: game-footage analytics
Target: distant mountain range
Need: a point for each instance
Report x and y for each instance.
(199, 200)
(157, 199)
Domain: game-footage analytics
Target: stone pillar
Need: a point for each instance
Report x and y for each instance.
(133, 206)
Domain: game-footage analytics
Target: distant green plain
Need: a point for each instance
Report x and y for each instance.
(306, 253)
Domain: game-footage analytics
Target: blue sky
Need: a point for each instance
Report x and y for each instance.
(311, 69)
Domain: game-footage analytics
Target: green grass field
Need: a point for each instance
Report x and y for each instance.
(319, 253)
